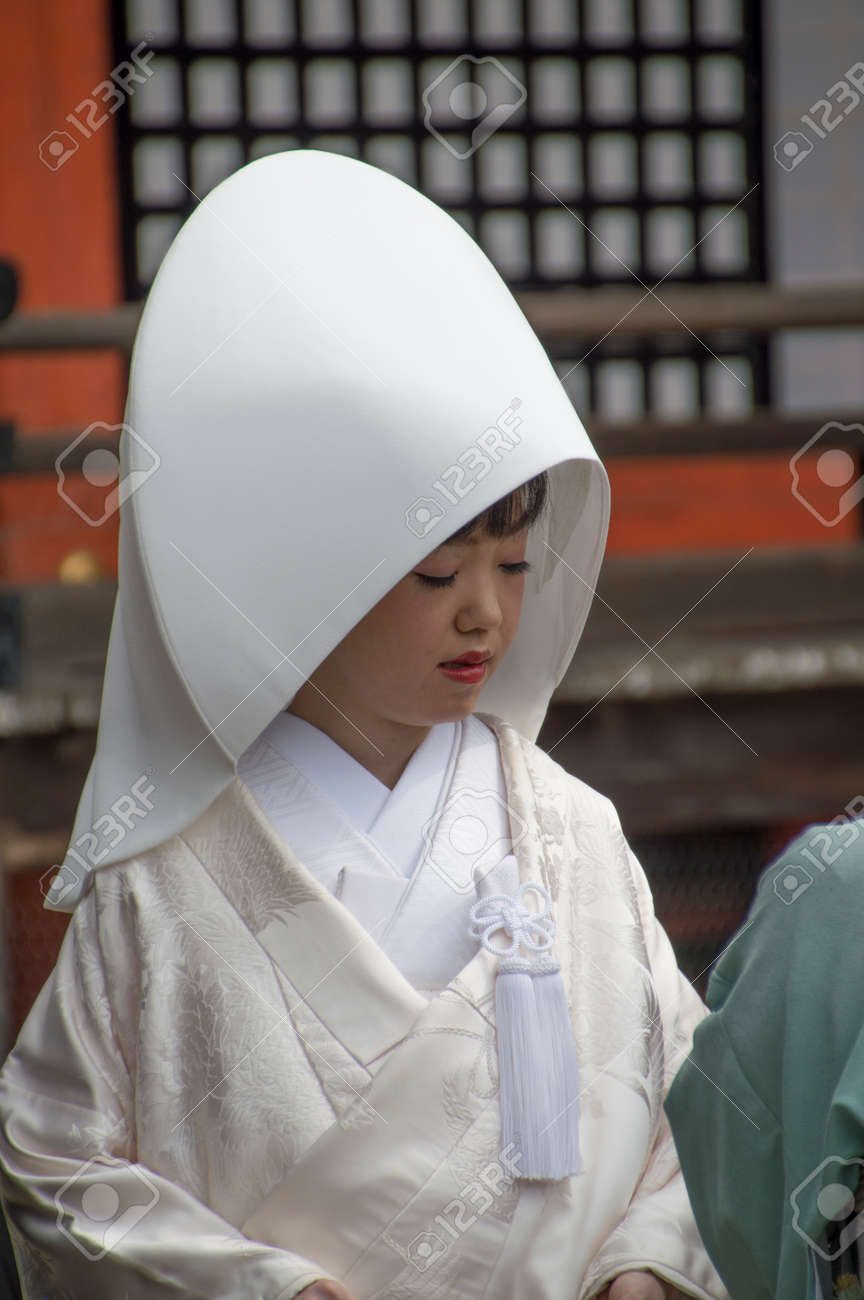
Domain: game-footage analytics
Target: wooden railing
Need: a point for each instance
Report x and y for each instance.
(554, 314)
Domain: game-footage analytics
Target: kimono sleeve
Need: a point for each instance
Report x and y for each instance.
(85, 1218)
(659, 1233)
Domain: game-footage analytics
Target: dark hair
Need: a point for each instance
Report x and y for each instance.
(518, 510)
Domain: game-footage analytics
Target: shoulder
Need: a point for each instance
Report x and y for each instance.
(132, 906)
(805, 914)
(830, 854)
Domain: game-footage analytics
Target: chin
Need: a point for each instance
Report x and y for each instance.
(450, 712)
(462, 707)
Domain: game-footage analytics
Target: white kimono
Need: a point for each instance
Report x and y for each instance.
(229, 1088)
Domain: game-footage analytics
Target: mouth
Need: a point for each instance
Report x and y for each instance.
(470, 669)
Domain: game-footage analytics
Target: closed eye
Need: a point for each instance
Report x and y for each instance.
(522, 566)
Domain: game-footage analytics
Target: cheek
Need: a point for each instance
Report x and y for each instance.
(400, 627)
(428, 629)
(512, 605)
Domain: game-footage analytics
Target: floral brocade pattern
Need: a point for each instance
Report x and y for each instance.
(197, 1059)
(575, 837)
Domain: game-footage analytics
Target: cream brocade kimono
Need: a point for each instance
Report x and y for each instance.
(229, 1073)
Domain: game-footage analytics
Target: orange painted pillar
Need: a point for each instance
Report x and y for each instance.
(59, 225)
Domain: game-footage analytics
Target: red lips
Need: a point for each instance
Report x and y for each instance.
(473, 657)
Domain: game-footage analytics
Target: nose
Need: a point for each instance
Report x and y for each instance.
(480, 609)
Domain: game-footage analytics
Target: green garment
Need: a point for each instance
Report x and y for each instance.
(771, 1099)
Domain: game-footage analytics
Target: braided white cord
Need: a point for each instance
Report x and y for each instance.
(542, 965)
(507, 912)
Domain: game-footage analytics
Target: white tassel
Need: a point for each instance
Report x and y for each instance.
(537, 1062)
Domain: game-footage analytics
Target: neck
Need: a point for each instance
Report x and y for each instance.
(383, 747)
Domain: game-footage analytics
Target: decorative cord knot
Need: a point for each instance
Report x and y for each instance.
(507, 912)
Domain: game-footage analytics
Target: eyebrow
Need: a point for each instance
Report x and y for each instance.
(474, 539)
(461, 541)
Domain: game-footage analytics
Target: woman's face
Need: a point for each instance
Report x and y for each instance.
(388, 666)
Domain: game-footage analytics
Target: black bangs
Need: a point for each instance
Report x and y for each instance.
(519, 509)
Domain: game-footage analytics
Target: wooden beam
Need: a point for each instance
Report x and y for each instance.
(777, 619)
(668, 765)
(64, 640)
(41, 778)
(677, 764)
(693, 309)
(36, 452)
(773, 619)
(555, 314)
(113, 327)
(764, 431)
(31, 850)
(763, 590)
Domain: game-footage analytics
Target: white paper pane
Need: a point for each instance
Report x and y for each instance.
(502, 167)
(154, 20)
(667, 165)
(269, 22)
(157, 101)
(720, 86)
(554, 95)
(613, 245)
(504, 237)
(214, 92)
(664, 22)
(669, 241)
(210, 22)
(722, 163)
(553, 22)
(665, 87)
(613, 165)
(327, 22)
(153, 236)
(560, 245)
(611, 89)
(157, 163)
(609, 22)
(213, 158)
(674, 387)
(385, 22)
(618, 387)
(729, 386)
(330, 95)
(395, 154)
(724, 251)
(271, 91)
(558, 162)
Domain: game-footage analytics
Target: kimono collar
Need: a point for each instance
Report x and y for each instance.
(359, 794)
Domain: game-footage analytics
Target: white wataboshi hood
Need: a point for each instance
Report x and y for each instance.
(328, 380)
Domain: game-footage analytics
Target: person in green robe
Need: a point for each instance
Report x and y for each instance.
(767, 1111)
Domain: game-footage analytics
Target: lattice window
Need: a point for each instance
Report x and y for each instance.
(582, 142)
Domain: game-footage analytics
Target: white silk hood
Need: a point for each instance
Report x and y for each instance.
(329, 379)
